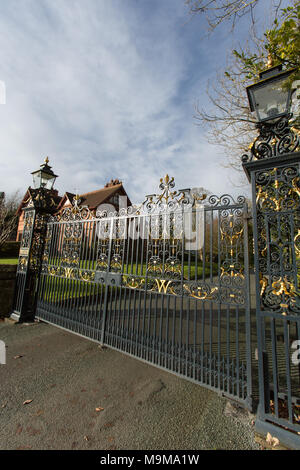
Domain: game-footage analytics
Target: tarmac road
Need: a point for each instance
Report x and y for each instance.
(139, 406)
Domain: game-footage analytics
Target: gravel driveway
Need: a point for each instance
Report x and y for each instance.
(79, 396)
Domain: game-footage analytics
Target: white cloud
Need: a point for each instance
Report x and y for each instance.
(103, 89)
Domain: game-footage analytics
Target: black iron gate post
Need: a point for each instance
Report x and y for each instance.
(30, 256)
(276, 219)
(273, 168)
(22, 277)
(41, 203)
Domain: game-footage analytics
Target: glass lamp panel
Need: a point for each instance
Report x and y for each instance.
(47, 181)
(36, 177)
(270, 100)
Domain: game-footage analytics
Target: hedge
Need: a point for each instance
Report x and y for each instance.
(10, 249)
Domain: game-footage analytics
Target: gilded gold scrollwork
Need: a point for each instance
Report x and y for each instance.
(87, 276)
(278, 229)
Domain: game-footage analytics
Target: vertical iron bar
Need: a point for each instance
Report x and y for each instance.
(102, 340)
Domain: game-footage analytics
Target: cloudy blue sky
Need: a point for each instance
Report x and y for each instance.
(106, 89)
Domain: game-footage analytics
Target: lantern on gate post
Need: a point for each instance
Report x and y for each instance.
(44, 177)
(270, 99)
(43, 193)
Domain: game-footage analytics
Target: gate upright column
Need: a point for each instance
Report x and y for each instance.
(273, 168)
(276, 219)
(41, 203)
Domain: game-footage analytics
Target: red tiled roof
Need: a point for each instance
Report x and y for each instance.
(94, 198)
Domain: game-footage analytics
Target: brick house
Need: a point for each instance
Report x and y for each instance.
(108, 197)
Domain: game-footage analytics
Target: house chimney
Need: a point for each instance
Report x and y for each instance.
(112, 183)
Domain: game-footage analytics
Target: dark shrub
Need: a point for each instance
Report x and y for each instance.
(10, 249)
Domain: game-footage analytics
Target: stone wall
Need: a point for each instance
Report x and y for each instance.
(7, 283)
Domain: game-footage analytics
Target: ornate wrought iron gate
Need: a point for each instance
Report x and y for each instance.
(166, 282)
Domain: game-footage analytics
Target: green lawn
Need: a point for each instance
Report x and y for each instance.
(8, 260)
(133, 269)
(61, 288)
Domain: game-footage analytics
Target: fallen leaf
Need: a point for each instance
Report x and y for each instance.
(85, 438)
(269, 438)
(273, 441)
(18, 357)
(99, 408)
(26, 402)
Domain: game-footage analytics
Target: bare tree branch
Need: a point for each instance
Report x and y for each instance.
(228, 121)
(8, 216)
(218, 11)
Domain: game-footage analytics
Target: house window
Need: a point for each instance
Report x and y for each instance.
(115, 200)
